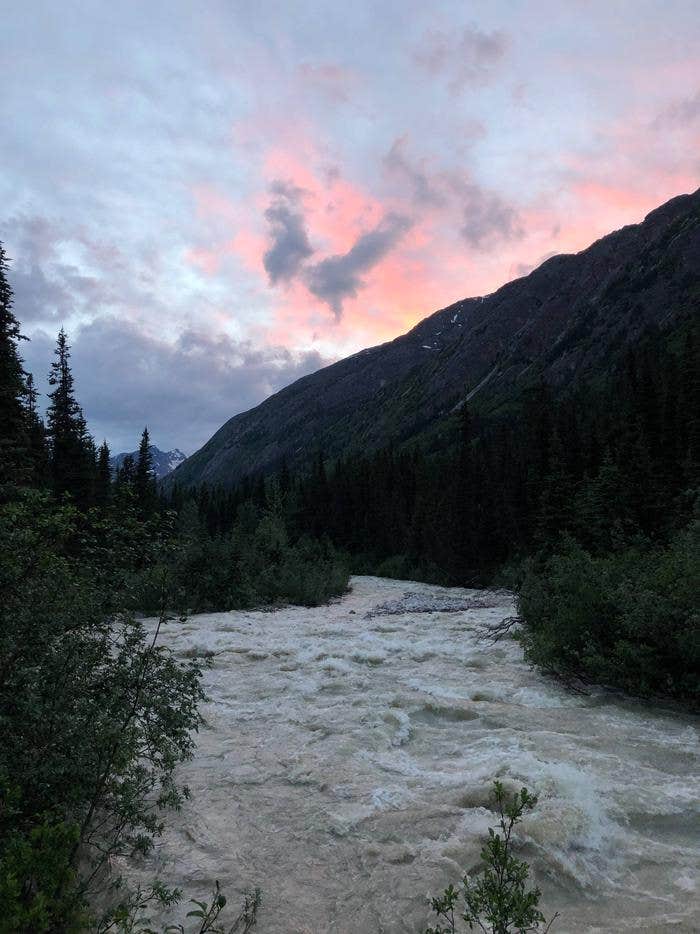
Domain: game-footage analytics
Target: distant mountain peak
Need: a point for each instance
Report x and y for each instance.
(164, 462)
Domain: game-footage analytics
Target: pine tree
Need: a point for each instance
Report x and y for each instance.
(144, 483)
(72, 451)
(37, 434)
(14, 439)
(103, 479)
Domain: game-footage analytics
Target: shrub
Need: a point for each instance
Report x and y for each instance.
(628, 619)
(498, 901)
(94, 717)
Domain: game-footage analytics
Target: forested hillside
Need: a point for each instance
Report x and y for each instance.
(565, 324)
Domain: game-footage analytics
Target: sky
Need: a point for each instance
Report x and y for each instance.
(216, 198)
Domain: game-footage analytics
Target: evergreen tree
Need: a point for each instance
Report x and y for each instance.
(14, 440)
(37, 434)
(555, 506)
(126, 473)
(72, 456)
(144, 482)
(690, 375)
(103, 479)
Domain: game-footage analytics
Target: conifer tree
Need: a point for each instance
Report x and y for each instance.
(103, 479)
(690, 375)
(556, 499)
(126, 473)
(72, 457)
(14, 441)
(36, 434)
(144, 483)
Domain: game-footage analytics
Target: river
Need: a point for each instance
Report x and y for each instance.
(349, 750)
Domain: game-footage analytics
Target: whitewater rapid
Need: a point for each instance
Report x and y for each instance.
(349, 750)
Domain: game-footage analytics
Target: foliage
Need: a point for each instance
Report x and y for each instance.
(94, 714)
(498, 901)
(254, 563)
(37, 878)
(14, 415)
(604, 463)
(129, 916)
(72, 450)
(627, 618)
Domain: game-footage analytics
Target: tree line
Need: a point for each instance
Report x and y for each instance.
(556, 487)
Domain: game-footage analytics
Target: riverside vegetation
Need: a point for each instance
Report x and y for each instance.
(95, 713)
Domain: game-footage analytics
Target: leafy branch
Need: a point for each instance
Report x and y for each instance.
(498, 902)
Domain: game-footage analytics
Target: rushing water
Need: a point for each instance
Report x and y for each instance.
(349, 750)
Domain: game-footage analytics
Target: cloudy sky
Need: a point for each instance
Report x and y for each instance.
(215, 198)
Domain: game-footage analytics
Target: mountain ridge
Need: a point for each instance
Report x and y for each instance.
(563, 322)
(164, 462)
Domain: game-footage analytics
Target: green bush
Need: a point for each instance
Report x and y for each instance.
(498, 900)
(256, 564)
(38, 890)
(628, 619)
(94, 715)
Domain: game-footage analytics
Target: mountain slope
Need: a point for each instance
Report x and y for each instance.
(566, 321)
(164, 462)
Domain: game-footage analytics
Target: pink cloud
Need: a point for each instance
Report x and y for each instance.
(628, 172)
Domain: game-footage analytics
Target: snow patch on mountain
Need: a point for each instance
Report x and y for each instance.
(164, 462)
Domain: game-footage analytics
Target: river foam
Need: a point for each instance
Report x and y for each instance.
(348, 753)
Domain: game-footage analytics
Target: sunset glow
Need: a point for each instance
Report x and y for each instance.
(286, 184)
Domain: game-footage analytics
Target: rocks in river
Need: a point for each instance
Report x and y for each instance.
(414, 602)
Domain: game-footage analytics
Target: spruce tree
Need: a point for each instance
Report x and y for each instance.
(14, 440)
(103, 479)
(690, 421)
(144, 482)
(126, 472)
(72, 453)
(36, 434)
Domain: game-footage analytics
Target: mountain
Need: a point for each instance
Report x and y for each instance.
(164, 462)
(566, 321)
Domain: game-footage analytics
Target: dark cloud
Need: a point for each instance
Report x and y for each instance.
(339, 277)
(465, 59)
(38, 297)
(183, 391)
(289, 247)
(183, 388)
(488, 219)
